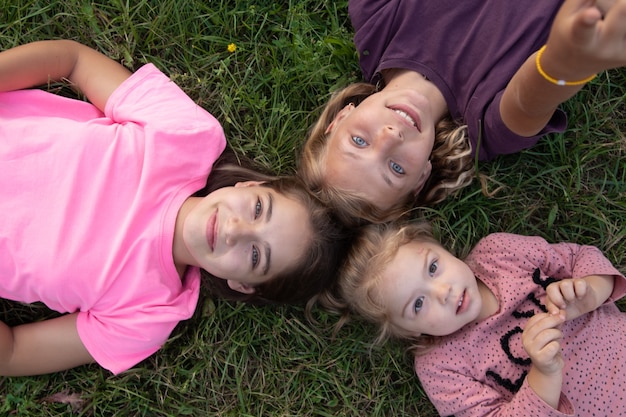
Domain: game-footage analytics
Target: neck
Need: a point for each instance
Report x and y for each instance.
(180, 254)
(400, 78)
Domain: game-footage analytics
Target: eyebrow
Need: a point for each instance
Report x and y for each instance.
(268, 217)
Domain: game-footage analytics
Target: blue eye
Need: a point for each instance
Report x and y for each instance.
(419, 303)
(396, 168)
(258, 208)
(255, 257)
(359, 141)
(433, 268)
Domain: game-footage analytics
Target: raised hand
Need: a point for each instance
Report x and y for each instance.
(586, 38)
(578, 296)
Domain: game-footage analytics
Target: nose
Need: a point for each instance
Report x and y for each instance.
(238, 229)
(388, 137)
(441, 292)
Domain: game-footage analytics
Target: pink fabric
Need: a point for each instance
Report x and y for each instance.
(89, 201)
(481, 369)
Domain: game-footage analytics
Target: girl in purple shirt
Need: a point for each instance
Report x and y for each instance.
(449, 82)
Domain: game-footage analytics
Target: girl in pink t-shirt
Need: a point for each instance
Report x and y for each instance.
(519, 327)
(109, 214)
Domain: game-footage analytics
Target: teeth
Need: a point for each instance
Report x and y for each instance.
(406, 116)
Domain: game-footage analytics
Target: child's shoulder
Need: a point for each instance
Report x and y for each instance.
(502, 241)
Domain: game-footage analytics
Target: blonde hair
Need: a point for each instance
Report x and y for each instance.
(357, 291)
(451, 159)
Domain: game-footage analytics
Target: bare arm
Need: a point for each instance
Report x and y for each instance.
(42, 347)
(582, 42)
(39, 63)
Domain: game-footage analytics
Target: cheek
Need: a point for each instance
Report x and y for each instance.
(226, 266)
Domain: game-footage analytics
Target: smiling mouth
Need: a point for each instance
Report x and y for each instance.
(406, 116)
(211, 231)
(460, 303)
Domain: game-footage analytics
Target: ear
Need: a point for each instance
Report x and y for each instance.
(248, 183)
(422, 180)
(339, 117)
(240, 287)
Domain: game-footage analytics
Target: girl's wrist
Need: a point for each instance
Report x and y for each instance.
(546, 386)
(554, 73)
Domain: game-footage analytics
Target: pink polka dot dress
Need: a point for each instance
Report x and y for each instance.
(481, 369)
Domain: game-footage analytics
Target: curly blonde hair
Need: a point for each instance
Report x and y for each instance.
(357, 290)
(451, 159)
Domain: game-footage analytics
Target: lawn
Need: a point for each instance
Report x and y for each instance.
(264, 68)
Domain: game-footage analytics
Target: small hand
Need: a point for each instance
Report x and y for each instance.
(541, 340)
(574, 297)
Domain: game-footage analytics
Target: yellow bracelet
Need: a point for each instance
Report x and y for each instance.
(554, 80)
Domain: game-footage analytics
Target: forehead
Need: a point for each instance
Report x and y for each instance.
(405, 259)
(409, 263)
(289, 232)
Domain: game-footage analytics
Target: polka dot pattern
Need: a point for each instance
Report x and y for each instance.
(482, 368)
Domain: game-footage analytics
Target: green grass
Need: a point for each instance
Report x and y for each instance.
(239, 360)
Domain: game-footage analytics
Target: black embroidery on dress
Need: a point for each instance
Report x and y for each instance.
(507, 383)
(514, 386)
(523, 314)
(543, 283)
(504, 342)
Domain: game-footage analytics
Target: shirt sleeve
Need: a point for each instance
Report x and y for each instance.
(502, 252)
(151, 100)
(567, 260)
(454, 391)
(490, 137)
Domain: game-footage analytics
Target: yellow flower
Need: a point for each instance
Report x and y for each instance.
(232, 47)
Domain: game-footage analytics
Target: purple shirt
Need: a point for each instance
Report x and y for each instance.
(468, 49)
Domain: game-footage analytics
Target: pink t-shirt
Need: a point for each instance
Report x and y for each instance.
(481, 369)
(88, 203)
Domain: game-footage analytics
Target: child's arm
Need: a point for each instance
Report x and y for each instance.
(39, 63)
(581, 44)
(580, 295)
(541, 340)
(42, 347)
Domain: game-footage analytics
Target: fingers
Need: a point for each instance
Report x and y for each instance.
(584, 27)
(542, 341)
(563, 292)
(614, 19)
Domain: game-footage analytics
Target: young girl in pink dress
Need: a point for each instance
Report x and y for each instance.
(520, 327)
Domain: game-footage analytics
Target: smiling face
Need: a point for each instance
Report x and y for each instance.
(247, 234)
(381, 148)
(429, 291)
